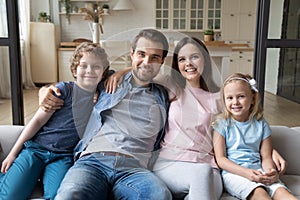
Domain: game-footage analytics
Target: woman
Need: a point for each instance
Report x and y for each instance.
(186, 161)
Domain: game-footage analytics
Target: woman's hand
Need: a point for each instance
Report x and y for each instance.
(47, 101)
(280, 163)
(114, 80)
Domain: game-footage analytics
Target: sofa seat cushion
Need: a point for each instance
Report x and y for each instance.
(293, 183)
(226, 196)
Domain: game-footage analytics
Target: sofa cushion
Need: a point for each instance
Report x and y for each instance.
(288, 146)
(6, 142)
(293, 183)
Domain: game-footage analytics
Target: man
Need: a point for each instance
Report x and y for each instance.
(123, 133)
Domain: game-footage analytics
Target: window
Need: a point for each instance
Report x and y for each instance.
(188, 15)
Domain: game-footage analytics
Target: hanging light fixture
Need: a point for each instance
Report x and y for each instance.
(123, 5)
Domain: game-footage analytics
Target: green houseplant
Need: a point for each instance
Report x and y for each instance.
(208, 35)
(42, 17)
(105, 8)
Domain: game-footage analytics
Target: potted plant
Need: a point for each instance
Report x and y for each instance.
(42, 17)
(105, 8)
(209, 35)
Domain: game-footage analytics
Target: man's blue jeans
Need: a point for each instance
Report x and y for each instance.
(98, 176)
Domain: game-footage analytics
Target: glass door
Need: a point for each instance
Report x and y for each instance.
(289, 65)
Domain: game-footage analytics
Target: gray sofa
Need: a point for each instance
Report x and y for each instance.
(286, 140)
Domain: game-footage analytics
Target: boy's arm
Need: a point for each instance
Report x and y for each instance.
(228, 165)
(267, 161)
(38, 120)
(47, 101)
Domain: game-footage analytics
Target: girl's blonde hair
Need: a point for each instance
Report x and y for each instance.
(256, 110)
(91, 48)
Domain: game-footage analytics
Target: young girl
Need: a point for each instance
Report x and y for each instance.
(242, 143)
(45, 147)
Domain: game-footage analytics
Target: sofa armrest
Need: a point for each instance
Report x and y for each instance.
(286, 141)
(8, 136)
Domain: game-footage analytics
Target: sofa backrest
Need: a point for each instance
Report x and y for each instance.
(8, 136)
(287, 142)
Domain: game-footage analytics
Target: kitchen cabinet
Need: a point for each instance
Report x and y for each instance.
(238, 21)
(238, 26)
(188, 15)
(239, 6)
(241, 61)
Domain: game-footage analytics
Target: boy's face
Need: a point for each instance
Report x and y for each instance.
(146, 60)
(89, 72)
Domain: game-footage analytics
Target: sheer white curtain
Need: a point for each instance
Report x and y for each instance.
(24, 15)
(4, 61)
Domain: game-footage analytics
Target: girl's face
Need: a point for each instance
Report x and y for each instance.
(89, 72)
(191, 63)
(238, 98)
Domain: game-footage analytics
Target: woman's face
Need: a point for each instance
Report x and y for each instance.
(191, 63)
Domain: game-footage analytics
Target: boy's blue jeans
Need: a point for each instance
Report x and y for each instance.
(98, 176)
(32, 162)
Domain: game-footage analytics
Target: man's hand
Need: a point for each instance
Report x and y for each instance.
(47, 101)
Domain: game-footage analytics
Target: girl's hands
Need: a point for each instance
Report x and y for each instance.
(254, 175)
(270, 177)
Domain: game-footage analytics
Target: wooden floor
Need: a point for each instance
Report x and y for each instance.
(277, 110)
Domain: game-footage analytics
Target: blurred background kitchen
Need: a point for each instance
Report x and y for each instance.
(51, 29)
